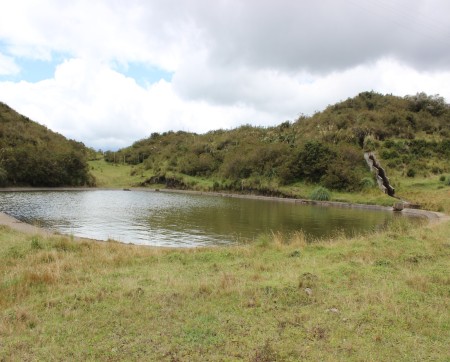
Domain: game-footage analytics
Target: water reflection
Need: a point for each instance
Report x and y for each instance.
(167, 219)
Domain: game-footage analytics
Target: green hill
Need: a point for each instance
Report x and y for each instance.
(410, 135)
(32, 155)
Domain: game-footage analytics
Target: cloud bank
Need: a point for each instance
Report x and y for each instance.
(230, 62)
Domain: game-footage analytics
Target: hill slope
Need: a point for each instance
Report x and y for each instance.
(32, 155)
(410, 135)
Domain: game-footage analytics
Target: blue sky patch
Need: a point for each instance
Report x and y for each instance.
(33, 70)
(144, 74)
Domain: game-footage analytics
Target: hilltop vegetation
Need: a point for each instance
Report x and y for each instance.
(411, 136)
(32, 155)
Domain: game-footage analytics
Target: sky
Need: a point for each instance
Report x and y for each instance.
(111, 72)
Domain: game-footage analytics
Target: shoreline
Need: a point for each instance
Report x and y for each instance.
(15, 224)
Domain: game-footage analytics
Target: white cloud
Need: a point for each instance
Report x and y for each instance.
(91, 102)
(103, 30)
(103, 108)
(233, 62)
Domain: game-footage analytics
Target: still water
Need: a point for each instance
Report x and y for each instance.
(183, 220)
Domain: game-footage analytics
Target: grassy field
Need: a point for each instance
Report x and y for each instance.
(382, 297)
(115, 175)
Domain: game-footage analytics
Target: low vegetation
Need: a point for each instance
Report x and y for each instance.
(379, 297)
(320, 194)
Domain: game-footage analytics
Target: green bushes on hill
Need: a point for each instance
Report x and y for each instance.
(32, 155)
(410, 133)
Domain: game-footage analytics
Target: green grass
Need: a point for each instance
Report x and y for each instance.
(382, 297)
(320, 194)
(429, 192)
(116, 175)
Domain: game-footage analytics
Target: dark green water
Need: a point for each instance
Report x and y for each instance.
(170, 219)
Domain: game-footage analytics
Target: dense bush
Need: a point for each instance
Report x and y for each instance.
(340, 176)
(367, 183)
(326, 148)
(33, 155)
(313, 161)
(435, 105)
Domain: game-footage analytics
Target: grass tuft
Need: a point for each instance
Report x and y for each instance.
(320, 194)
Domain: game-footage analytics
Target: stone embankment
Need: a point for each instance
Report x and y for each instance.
(380, 174)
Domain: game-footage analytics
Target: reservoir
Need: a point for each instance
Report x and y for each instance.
(181, 220)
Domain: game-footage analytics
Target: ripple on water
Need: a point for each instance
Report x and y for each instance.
(170, 219)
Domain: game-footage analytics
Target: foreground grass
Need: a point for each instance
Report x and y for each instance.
(383, 297)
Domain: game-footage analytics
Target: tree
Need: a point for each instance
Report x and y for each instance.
(435, 105)
(313, 161)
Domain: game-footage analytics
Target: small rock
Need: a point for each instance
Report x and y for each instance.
(308, 291)
(399, 206)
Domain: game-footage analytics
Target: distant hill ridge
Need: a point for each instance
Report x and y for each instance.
(33, 155)
(410, 135)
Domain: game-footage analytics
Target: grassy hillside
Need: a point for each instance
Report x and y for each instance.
(382, 297)
(32, 155)
(410, 135)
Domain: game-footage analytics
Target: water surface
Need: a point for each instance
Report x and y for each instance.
(183, 220)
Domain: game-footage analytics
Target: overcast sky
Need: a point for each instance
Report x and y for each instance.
(110, 72)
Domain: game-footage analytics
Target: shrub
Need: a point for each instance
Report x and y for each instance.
(367, 183)
(411, 173)
(434, 104)
(388, 155)
(313, 160)
(442, 178)
(370, 144)
(320, 194)
(341, 176)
